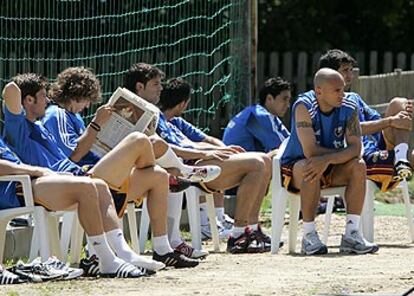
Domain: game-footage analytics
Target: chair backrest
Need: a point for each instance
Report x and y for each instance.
(277, 180)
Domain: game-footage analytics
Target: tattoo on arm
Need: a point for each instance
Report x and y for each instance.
(303, 124)
(353, 125)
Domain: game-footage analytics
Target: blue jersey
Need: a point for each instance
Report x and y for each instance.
(179, 132)
(8, 197)
(34, 144)
(329, 128)
(67, 127)
(255, 129)
(373, 142)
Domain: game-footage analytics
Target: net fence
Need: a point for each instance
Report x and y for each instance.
(199, 40)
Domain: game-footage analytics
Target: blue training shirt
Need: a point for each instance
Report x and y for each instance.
(255, 129)
(179, 132)
(329, 128)
(8, 198)
(373, 142)
(34, 144)
(66, 128)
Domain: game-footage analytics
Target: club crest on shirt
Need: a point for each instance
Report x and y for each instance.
(339, 131)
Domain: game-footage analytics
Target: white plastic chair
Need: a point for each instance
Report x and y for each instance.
(279, 199)
(193, 209)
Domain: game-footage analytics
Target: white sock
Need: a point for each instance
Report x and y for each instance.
(161, 245)
(237, 231)
(352, 223)
(108, 262)
(220, 214)
(118, 243)
(170, 160)
(253, 227)
(203, 214)
(175, 202)
(91, 250)
(401, 152)
(308, 227)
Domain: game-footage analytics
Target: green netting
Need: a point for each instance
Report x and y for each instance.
(201, 40)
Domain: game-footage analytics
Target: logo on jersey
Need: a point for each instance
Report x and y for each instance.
(338, 144)
(383, 155)
(339, 131)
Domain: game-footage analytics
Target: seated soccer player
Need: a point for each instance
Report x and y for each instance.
(385, 138)
(251, 171)
(258, 127)
(324, 150)
(129, 168)
(58, 192)
(74, 90)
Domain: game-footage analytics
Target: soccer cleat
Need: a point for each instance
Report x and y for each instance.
(37, 272)
(190, 252)
(8, 278)
(356, 244)
(198, 174)
(312, 245)
(403, 171)
(247, 242)
(125, 270)
(224, 233)
(178, 184)
(90, 266)
(266, 239)
(70, 273)
(176, 259)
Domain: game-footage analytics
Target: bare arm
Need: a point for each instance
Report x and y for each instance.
(214, 141)
(401, 120)
(12, 98)
(190, 153)
(10, 168)
(86, 140)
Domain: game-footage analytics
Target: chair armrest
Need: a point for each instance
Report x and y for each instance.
(26, 184)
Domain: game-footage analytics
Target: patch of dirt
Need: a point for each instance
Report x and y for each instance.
(389, 272)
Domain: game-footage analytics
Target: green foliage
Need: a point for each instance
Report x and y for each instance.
(310, 25)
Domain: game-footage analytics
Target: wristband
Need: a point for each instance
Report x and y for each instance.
(95, 126)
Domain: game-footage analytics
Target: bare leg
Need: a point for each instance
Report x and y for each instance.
(310, 192)
(64, 192)
(107, 207)
(351, 174)
(395, 135)
(246, 170)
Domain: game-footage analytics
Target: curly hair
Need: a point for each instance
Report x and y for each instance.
(175, 91)
(30, 84)
(75, 83)
(272, 86)
(140, 72)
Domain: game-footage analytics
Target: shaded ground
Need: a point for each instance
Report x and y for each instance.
(390, 272)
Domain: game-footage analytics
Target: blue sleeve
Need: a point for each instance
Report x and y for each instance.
(189, 130)
(63, 130)
(16, 131)
(365, 112)
(265, 130)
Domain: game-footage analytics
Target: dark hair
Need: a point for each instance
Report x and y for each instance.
(30, 84)
(272, 86)
(175, 91)
(334, 58)
(75, 83)
(142, 73)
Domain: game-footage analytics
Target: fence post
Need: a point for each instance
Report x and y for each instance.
(398, 82)
(355, 80)
(302, 71)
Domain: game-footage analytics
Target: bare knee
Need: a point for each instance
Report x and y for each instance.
(267, 165)
(86, 191)
(396, 105)
(358, 168)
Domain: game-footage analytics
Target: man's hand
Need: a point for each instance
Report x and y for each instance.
(314, 168)
(409, 107)
(402, 120)
(232, 149)
(103, 114)
(215, 154)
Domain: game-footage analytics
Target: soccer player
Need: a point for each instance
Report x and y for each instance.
(385, 139)
(324, 150)
(251, 171)
(129, 168)
(258, 127)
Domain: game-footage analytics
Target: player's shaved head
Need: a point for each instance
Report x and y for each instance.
(326, 75)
